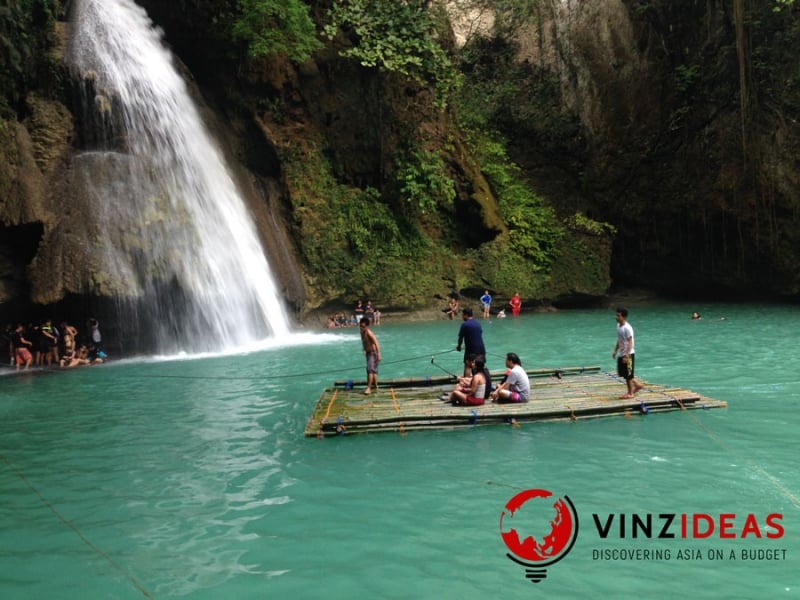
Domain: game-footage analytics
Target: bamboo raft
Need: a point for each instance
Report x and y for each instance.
(568, 394)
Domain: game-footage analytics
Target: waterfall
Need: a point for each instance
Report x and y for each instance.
(172, 229)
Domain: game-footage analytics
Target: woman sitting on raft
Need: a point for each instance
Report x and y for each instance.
(479, 383)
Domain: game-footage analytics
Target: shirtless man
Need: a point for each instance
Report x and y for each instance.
(372, 351)
(452, 308)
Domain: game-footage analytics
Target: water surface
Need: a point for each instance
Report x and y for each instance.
(192, 478)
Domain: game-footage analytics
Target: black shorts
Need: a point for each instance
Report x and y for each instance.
(625, 369)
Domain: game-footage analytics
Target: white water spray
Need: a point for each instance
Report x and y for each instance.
(174, 229)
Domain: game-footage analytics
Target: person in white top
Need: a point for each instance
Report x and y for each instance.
(624, 352)
(517, 386)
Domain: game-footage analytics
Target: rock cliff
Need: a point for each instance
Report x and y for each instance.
(677, 127)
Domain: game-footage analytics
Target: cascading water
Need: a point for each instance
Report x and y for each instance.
(172, 228)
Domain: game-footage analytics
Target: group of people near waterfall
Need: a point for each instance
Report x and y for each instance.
(360, 311)
(474, 387)
(43, 344)
(514, 303)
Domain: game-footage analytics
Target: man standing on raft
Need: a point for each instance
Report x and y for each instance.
(471, 335)
(624, 353)
(372, 351)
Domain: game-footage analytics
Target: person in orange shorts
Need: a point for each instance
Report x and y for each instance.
(22, 353)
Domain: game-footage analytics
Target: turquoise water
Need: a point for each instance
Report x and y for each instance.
(192, 478)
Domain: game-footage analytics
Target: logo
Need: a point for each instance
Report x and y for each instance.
(526, 516)
(643, 534)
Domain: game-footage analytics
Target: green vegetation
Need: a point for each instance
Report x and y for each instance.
(503, 94)
(351, 242)
(400, 37)
(423, 182)
(582, 223)
(686, 77)
(502, 98)
(534, 230)
(270, 27)
(396, 36)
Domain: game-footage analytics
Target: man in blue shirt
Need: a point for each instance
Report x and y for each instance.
(486, 301)
(471, 334)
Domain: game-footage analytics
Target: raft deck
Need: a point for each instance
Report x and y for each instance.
(568, 394)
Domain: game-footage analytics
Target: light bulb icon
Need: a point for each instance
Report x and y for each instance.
(524, 548)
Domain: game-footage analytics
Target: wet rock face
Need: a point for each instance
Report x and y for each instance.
(700, 183)
(53, 242)
(29, 154)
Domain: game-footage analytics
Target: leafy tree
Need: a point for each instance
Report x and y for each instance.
(271, 27)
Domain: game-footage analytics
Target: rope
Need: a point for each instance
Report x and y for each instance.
(402, 429)
(273, 377)
(778, 485)
(781, 488)
(75, 529)
(441, 368)
(328, 411)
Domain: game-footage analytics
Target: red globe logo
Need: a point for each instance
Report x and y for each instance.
(537, 535)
